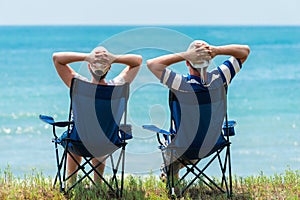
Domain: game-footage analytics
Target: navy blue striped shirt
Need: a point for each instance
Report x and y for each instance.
(221, 76)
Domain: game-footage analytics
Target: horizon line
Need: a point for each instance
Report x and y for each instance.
(249, 25)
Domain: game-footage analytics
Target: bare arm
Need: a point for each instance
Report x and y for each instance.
(238, 51)
(61, 62)
(157, 65)
(133, 63)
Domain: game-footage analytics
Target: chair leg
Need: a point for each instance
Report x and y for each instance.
(229, 171)
(167, 170)
(64, 165)
(227, 163)
(123, 168)
(200, 172)
(115, 171)
(172, 173)
(80, 168)
(223, 167)
(59, 164)
(62, 176)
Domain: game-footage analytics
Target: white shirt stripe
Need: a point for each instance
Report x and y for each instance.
(177, 81)
(236, 64)
(226, 72)
(166, 76)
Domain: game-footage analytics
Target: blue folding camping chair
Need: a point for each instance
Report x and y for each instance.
(94, 130)
(199, 131)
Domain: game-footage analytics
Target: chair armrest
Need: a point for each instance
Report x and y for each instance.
(167, 135)
(156, 129)
(50, 120)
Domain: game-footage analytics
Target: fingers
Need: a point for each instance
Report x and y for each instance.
(201, 44)
(203, 52)
(99, 58)
(101, 55)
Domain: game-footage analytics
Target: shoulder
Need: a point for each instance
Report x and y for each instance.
(172, 79)
(215, 79)
(118, 80)
(78, 76)
(229, 69)
(180, 82)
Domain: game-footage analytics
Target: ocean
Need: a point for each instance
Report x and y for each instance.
(263, 98)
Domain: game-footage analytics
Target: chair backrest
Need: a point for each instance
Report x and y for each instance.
(97, 112)
(197, 118)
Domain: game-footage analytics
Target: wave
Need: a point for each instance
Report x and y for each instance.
(20, 130)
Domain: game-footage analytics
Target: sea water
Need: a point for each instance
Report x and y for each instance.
(263, 98)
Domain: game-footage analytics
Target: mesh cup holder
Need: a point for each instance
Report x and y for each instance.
(230, 131)
(126, 129)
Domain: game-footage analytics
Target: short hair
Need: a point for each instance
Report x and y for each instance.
(98, 77)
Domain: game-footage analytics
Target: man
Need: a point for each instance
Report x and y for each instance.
(99, 63)
(198, 57)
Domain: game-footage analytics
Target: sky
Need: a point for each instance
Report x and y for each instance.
(145, 12)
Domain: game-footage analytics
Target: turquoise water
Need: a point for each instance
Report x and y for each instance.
(264, 97)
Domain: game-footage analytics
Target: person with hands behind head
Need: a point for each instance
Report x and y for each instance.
(197, 58)
(100, 62)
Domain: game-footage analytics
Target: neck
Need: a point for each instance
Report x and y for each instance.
(100, 82)
(196, 72)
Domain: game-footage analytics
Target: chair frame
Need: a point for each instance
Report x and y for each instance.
(61, 163)
(224, 164)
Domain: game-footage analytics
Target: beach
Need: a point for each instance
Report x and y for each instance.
(263, 98)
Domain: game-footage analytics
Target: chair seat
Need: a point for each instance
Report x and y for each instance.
(74, 146)
(193, 153)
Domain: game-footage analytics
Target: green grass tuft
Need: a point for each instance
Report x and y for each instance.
(36, 186)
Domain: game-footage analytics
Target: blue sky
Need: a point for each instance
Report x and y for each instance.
(155, 12)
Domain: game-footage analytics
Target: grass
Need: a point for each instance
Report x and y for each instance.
(36, 186)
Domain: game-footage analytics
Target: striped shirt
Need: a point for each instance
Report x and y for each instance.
(221, 76)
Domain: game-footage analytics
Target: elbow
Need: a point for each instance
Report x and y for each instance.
(136, 61)
(246, 53)
(139, 60)
(247, 50)
(154, 66)
(56, 58)
(150, 64)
